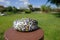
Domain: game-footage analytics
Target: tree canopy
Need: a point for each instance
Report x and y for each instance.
(45, 8)
(56, 2)
(30, 7)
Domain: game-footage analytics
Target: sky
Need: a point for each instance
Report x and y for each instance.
(24, 3)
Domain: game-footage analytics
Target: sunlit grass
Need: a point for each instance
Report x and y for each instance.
(49, 23)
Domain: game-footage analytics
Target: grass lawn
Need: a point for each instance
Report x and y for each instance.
(48, 22)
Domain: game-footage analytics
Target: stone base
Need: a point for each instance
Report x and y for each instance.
(12, 34)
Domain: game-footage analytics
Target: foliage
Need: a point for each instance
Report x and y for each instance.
(2, 9)
(14, 9)
(57, 10)
(21, 10)
(9, 13)
(36, 9)
(57, 2)
(9, 9)
(27, 11)
(45, 8)
(30, 7)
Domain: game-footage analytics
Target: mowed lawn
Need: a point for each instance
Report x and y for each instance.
(48, 22)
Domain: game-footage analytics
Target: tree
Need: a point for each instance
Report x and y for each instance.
(56, 2)
(30, 7)
(48, 8)
(2, 8)
(9, 9)
(14, 9)
(35, 9)
(45, 8)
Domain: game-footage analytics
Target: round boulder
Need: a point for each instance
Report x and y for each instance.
(25, 24)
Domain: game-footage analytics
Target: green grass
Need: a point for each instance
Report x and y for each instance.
(48, 22)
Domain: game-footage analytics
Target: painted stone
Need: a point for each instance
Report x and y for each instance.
(25, 24)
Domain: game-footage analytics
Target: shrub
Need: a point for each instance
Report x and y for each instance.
(27, 11)
(9, 13)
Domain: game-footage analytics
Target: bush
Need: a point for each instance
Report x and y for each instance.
(9, 13)
(27, 11)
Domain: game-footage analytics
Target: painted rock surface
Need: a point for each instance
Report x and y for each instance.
(25, 24)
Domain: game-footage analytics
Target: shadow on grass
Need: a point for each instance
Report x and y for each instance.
(1, 35)
(56, 14)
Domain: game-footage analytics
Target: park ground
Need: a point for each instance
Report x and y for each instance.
(50, 23)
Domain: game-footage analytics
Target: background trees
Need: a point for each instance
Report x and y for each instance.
(30, 7)
(56, 2)
(2, 8)
(14, 9)
(8, 9)
(45, 8)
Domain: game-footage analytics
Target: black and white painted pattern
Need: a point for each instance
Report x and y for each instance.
(25, 24)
